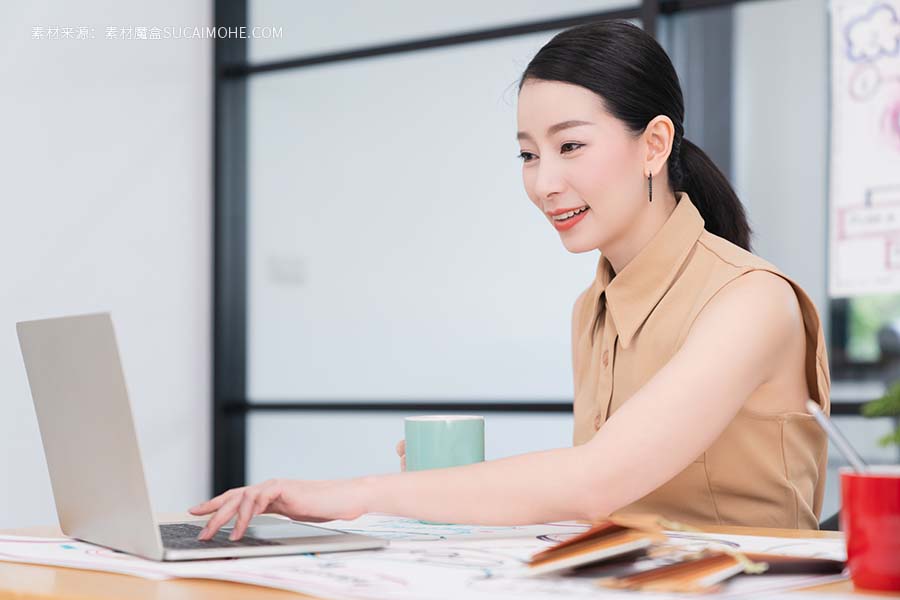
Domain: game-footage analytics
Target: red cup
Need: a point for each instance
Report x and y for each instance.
(870, 519)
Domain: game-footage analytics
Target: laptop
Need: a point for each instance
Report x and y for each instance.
(89, 439)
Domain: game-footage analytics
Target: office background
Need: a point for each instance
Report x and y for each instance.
(347, 231)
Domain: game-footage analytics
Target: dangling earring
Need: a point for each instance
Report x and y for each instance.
(650, 185)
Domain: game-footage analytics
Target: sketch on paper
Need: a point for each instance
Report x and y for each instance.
(398, 528)
(454, 561)
(864, 168)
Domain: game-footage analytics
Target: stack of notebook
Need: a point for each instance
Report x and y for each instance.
(630, 553)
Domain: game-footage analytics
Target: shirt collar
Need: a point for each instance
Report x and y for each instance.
(632, 294)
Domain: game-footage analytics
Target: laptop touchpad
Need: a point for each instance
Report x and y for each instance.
(270, 528)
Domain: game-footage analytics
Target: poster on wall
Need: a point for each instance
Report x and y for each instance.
(864, 186)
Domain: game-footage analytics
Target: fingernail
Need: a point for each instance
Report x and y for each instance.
(232, 537)
(201, 534)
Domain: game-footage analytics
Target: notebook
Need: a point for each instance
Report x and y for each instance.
(630, 552)
(614, 538)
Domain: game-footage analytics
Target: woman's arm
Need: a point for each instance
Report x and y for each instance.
(732, 348)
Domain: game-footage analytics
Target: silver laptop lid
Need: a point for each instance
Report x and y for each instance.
(88, 433)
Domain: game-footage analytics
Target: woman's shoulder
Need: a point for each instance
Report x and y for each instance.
(756, 274)
(732, 256)
(751, 285)
(757, 310)
(762, 293)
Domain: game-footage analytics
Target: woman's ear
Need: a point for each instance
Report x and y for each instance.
(658, 137)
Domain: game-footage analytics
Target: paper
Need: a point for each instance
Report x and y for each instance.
(397, 528)
(864, 186)
(423, 561)
(831, 548)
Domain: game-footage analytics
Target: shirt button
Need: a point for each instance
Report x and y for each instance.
(605, 358)
(597, 422)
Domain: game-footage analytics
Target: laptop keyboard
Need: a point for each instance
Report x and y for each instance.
(183, 536)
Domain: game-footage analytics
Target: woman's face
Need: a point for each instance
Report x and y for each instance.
(594, 168)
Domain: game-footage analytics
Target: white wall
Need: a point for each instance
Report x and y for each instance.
(390, 236)
(780, 135)
(780, 158)
(321, 27)
(106, 201)
(389, 232)
(329, 444)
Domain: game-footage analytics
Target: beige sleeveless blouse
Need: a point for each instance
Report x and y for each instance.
(765, 470)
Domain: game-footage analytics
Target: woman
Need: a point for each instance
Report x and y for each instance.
(693, 358)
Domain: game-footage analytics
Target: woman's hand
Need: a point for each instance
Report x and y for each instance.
(401, 452)
(314, 501)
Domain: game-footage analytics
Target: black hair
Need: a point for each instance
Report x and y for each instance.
(636, 81)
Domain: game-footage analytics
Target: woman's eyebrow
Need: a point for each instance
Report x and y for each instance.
(522, 135)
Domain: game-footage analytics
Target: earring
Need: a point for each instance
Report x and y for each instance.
(650, 185)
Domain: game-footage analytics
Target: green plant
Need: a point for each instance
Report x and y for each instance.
(886, 406)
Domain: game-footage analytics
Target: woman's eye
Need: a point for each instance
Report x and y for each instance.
(528, 156)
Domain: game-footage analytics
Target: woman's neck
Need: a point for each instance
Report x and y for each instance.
(651, 220)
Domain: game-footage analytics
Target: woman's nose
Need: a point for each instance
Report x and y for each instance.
(548, 182)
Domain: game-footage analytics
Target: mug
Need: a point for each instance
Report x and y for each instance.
(870, 519)
(438, 441)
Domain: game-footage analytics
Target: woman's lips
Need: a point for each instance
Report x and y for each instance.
(570, 222)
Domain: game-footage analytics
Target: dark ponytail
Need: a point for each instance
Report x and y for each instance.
(636, 81)
(711, 193)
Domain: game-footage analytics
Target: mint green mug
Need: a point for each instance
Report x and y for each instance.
(438, 441)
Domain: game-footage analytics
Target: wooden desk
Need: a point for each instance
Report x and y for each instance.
(33, 581)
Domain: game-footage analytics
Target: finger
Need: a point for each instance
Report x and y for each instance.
(207, 507)
(401, 447)
(213, 504)
(244, 514)
(220, 518)
(403, 463)
(266, 493)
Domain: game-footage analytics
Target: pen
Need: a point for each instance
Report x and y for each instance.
(837, 437)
